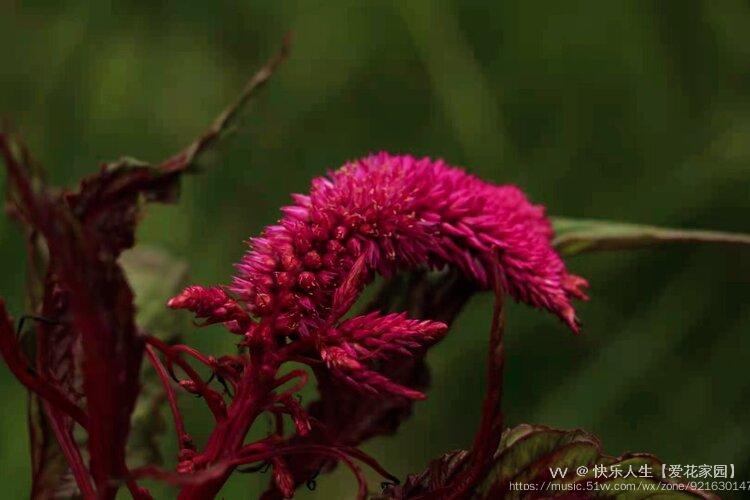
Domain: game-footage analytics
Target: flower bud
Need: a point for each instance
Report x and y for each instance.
(307, 281)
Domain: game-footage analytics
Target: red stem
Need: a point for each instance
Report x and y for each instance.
(23, 371)
(213, 398)
(303, 378)
(192, 352)
(491, 411)
(71, 452)
(253, 396)
(138, 492)
(179, 425)
(488, 435)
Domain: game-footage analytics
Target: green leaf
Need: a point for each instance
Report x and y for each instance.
(523, 463)
(574, 236)
(155, 277)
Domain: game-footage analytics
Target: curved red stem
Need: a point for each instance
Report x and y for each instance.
(71, 452)
(186, 349)
(179, 424)
(211, 397)
(301, 374)
(11, 352)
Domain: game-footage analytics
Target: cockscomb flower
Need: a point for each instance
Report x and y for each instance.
(401, 213)
(383, 214)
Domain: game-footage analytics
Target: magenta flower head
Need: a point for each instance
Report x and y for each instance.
(383, 214)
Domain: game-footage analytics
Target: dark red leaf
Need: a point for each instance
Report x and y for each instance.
(525, 455)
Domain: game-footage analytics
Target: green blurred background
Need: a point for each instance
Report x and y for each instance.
(637, 111)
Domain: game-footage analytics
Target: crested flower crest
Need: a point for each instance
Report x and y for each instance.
(380, 215)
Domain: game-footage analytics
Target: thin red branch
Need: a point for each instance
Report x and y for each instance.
(71, 452)
(190, 351)
(213, 399)
(492, 418)
(179, 425)
(303, 378)
(138, 492)
(488, 435)
(14, 358)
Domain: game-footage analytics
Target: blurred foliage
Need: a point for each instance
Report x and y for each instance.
(155, 277)
(625, 110)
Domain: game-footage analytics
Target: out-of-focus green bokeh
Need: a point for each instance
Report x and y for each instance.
(628, 110)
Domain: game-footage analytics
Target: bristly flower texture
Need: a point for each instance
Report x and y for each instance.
(383, 214)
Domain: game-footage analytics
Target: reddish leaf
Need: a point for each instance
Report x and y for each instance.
(109, 202)
(82, 288)
(525, 456)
